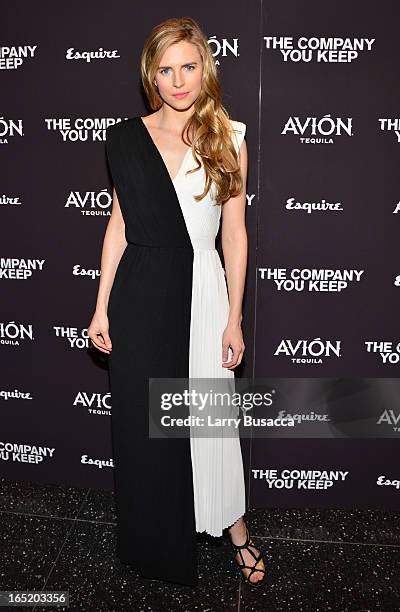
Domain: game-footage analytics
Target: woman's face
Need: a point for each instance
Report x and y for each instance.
(179, 75)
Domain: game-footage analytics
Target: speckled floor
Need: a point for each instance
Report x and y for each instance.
(62, 538)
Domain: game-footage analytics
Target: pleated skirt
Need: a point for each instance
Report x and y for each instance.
(217, 464)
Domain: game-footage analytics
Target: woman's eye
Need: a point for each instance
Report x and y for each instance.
(190, 67)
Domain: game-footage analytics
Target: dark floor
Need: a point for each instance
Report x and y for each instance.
(62, 539)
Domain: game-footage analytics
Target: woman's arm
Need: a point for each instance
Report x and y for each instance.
(234, 246)
(114, 245)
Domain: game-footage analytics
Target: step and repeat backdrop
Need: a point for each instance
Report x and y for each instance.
(317, 87)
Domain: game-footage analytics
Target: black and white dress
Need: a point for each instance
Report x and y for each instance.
(167, 311)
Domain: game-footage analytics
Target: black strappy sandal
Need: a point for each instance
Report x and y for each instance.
(242, 565)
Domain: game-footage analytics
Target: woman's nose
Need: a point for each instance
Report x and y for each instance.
(178, 80)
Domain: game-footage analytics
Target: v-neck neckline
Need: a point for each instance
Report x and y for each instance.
(161, 157)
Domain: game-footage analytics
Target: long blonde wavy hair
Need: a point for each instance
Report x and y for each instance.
(210, 121)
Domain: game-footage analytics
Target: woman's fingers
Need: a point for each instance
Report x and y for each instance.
(101, 341)
(240, 358)
(237, 354)
(225, 348)
(107, 340)
(98, 332)
(99, 345)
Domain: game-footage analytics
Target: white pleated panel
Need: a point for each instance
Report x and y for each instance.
(217, 464)
(218, 475)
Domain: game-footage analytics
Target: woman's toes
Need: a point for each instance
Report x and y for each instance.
(256, 577)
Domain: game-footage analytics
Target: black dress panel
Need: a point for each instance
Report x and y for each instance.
(149, 324)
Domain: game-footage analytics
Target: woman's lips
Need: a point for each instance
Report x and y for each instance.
(181, 95)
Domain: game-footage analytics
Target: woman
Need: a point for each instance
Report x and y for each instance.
(163, 310)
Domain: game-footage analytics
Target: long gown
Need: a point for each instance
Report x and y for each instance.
(167, 310)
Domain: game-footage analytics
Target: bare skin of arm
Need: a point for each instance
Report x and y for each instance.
(114, 245)
(235, 248)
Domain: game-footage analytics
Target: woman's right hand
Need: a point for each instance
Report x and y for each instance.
(98, 332)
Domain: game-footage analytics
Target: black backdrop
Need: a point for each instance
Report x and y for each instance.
(317, 86)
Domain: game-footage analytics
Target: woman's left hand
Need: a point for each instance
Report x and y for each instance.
(232, 337)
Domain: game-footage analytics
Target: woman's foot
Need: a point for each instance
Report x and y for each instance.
(238, 534)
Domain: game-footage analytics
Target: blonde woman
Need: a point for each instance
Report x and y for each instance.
(163, 310)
